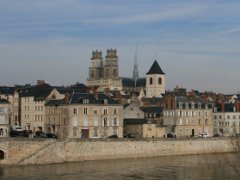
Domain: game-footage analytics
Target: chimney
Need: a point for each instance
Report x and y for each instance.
(222, 106)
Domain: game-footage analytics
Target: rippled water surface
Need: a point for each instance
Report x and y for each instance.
(171, 168)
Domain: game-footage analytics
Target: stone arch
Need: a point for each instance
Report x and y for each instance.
(2, 154)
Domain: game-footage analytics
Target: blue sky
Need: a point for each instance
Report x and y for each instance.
(196, 42)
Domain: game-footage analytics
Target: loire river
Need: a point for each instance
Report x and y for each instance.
(195, 167)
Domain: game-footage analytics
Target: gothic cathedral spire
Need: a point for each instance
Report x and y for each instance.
(135, 68)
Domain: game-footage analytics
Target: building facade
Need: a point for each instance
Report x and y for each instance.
(187, 117)
(4, 117)
(85, 115)
(226, 119)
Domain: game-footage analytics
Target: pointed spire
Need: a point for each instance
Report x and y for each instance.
(135, 68)
(155, 69)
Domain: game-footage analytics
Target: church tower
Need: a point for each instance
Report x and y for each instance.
(155, 81)
(96, 66)
(104, 73)
(111, 64)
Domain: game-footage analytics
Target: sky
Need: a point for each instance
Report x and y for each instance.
(196, 43)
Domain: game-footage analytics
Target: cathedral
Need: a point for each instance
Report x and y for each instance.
(105, 74)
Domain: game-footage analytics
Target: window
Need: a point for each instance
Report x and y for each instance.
(206, 113)
(85, 111)
(199, 113)
(95, 112)
(187, 122)
(193, 113)
(151, 81)
(181, 122)
(95, 132)
(206, 121)
(114, 121)
(193, 122)
(159, 80)
(199, 122)
(186, 113)
(74, 111)
(180, 113)
(85, 101)
(105, 122)
(114, 111)
(105, 111)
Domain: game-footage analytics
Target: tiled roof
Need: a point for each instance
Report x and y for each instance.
(155, 69)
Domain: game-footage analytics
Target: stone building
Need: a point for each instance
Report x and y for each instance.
(85, 115)
(9, 93)
(104, 73)
(4, 117)
(32, 101)
(226, 119)
(186, 116)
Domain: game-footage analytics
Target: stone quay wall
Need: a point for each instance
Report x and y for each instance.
(46, 151)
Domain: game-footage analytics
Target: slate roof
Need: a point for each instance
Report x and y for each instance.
(77, 98)
(7, 90)
(228, 107)
(130, 82)
(155, 69)
(56, 102)
(135, 121)
(39, 92)
(152, 110)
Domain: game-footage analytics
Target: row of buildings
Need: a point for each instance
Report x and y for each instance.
(109, 104)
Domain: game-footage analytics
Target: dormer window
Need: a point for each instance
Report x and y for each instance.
(180, 105)
(186, 105)
(206, 106)
(105, 101)
(85, 101)
(215, 109)
(193, 106)
(199, 105)
(234, 109)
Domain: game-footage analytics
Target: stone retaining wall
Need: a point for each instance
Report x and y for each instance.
(45, 151)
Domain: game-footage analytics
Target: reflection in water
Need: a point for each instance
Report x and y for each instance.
(170, 168)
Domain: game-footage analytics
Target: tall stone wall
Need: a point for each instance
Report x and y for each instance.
(22, 152)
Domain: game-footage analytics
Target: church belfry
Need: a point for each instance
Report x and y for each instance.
(96, 66)
(155, 81)
(104, 73)
(111, 64)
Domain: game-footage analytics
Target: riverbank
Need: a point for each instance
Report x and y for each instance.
(47, 151)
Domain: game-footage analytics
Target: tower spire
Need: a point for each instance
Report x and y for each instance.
(135, 68)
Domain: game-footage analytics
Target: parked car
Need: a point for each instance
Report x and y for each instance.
(15, 133)
(113, 136)
(129, 135)
(204, 135)
(51, 135)
(171, 135)
(40, 134)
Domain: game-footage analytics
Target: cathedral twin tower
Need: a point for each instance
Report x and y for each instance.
(105, 74)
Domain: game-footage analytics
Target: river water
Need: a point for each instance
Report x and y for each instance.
(195, 167)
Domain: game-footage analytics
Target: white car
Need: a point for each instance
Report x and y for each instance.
(204, 135)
